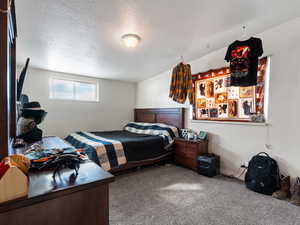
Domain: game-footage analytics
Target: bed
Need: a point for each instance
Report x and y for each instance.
(145, 141)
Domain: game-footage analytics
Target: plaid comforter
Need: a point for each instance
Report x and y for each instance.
(159, 129)
(109, 153)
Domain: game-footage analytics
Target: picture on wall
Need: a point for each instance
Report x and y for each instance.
(223, 110)
(209, 89)
(201, 103)
(200, 90)
(202, 113)
(246, 107)
(217, 100)
(219, 85)
(233, 108)
(246, 92)
(213, 113)
(210, 103)
(221, 97)
(233, 92)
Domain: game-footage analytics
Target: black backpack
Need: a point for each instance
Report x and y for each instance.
(263, 174)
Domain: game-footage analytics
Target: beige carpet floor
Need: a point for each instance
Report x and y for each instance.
(171, 195)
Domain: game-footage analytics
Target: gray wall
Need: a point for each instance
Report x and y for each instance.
(113, 111)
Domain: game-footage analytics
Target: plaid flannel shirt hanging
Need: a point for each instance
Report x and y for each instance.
(181, 85)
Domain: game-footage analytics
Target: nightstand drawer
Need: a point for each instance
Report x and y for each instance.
(187, 152)
(180, 145)
(193, 146)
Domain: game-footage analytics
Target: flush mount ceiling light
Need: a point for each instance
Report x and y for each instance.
(131, 40)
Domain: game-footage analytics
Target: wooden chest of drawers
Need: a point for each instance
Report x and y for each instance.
(187, 152)
(61, 201)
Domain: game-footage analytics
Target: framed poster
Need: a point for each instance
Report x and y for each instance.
(217, 100)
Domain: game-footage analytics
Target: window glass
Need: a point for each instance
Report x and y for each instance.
(73, 90)
(62, 89)
(85, 91)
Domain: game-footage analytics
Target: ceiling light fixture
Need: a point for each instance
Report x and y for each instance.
(131, 40)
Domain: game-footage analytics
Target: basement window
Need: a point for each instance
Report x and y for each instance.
(74, 90)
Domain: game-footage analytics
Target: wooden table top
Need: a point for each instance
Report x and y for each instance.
(43, 187)
(42, 182)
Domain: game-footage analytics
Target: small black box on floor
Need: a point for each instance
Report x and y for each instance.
(209, 165)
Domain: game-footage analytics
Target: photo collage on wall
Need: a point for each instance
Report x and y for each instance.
(217, 100)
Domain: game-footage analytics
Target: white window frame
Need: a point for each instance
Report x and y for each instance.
(51, 79)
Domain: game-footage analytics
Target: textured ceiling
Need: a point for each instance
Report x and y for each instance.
(84, 36)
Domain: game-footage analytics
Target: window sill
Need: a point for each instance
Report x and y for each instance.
(231, 122)
(73, 100)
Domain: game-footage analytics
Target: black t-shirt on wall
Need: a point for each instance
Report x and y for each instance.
(243, 58)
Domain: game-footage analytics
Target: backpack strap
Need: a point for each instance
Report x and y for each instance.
(264, 153)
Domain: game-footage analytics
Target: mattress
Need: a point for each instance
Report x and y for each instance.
(137, 147)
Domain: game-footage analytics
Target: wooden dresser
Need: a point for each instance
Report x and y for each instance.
(67, 200)
(187, 152)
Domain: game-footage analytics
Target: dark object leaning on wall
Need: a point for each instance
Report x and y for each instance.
(263, 174)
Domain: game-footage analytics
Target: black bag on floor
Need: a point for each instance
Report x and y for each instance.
(263, 174)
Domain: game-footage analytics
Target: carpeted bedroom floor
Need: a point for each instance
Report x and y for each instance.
(171, 195)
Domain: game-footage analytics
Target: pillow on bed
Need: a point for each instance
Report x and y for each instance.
(166, 131)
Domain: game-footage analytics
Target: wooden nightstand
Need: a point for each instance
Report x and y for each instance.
(187, 152)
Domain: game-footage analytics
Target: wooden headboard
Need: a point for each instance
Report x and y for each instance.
(171, 116)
